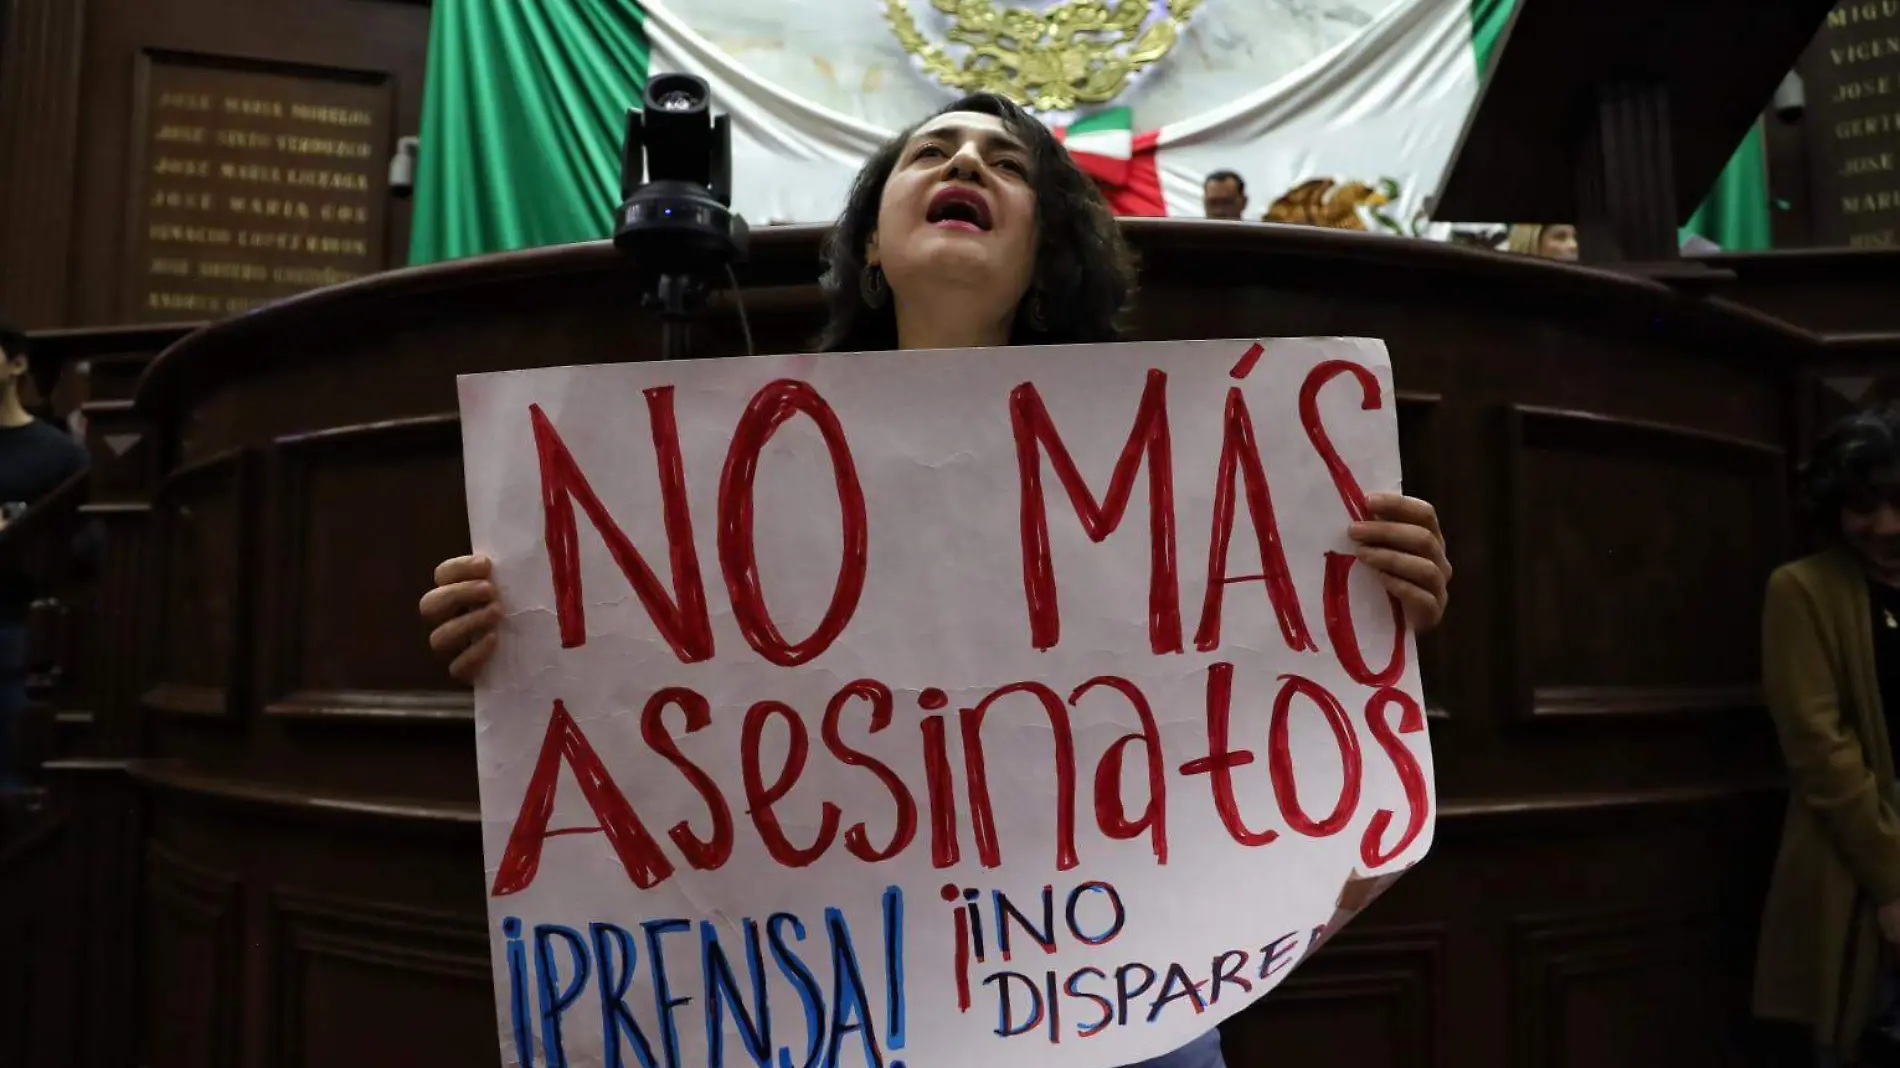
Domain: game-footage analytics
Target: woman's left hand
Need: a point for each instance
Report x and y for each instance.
(1403, 544)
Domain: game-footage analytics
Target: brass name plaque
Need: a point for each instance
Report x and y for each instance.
(256, 182)
(1851, 74)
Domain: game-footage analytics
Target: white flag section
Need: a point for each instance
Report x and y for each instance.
(1020, 708)
(1389, 102)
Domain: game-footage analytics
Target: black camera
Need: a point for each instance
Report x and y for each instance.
(675, 220)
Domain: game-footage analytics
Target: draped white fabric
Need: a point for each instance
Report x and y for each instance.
(792, 160)
(1389, 102)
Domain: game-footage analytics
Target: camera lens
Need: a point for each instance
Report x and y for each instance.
(677, 94)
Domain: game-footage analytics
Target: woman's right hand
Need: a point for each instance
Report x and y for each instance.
(464, 611)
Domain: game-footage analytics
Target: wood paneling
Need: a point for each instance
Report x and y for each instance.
(208, 522)
(70, 126)
(1608, 459)
(40, 106)
(1717, 525)
(350, 979)
(402, 478)
(1417, 445)
(1623, 987)
(1370, 1000)
(193, 949)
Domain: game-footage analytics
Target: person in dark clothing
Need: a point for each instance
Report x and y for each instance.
(1831, 679)
(1224, 196)
(36, 458)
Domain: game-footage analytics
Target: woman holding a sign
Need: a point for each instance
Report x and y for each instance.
(975, 230)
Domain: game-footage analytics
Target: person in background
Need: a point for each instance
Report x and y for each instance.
(36, 458)
(1224, 195)
(1558, 242)
(1831, 679)
(976, 229)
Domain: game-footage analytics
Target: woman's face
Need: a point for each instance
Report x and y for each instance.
(958, 216)
(1558, 243)
(1870, 524)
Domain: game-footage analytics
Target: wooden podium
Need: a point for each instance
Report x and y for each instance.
(268, 849)
(1617, 115)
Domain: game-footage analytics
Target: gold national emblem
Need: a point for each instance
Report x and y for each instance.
(1073, 53)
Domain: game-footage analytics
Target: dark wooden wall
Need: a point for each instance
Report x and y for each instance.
(265, 848)
(68, 128)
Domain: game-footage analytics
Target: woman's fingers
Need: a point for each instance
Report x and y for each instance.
(1417, 570)
(463, 632)
(463, 569)
(1423, 609)
(1398, 508)
(458, 598)
(472, 659)
(1403, 537)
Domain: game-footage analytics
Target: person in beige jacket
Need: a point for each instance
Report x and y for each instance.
(1831, 675)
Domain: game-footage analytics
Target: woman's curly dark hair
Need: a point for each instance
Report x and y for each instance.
(1084, 273)
(1855, 461)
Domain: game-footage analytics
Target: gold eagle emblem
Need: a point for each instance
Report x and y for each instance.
(1326, 202)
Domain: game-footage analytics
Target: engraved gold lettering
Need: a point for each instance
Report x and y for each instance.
(171, 267)
(1868, 11)
(268, 109)
(182, 167)
(343, 213)
(234, 272)
(312, 276)
(330, 116)
(316, 179)
(177, 201)
(1872, 239)
(1862, 203)
(192, 302)
(322, 146)
(1864, 88)
(1871, 164)
(174, 233)
(1866, 126)
(1863, 51)
(243, 139)
(172, 133)
(177, 101)
(251, 172)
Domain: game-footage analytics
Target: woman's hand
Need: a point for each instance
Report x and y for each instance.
(1403, 544)
(464, 611)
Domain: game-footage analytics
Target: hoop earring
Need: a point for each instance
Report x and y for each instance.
(872, 287)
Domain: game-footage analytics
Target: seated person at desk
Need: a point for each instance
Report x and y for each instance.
(36, 458)
(975, 229)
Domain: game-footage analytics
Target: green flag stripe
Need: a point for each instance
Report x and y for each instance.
(1488, 19)
(521, 121)
(1106, 119)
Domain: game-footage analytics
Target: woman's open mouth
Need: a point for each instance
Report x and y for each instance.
(956, 207)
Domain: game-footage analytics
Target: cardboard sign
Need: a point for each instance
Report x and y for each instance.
(1021, 708)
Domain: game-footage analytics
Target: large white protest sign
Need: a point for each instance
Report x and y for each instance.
(1021, 708)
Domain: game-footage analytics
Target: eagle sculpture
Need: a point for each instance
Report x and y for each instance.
(1324, 202)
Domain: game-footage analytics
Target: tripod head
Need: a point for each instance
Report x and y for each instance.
(675, 220)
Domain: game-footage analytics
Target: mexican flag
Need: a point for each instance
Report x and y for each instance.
(525, 102)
